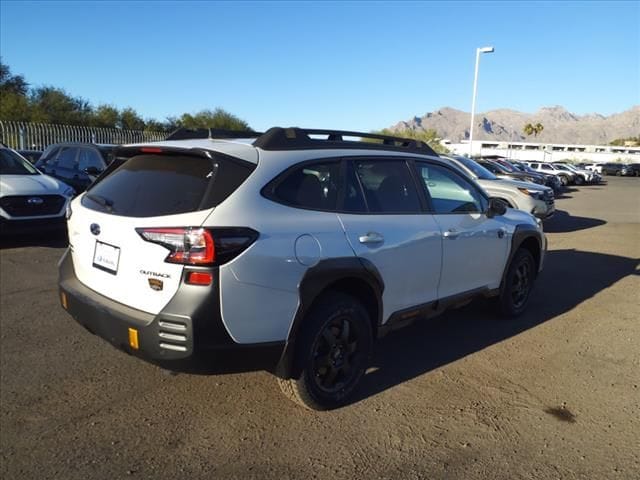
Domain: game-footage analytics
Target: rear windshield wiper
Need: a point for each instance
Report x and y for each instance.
(107, 203)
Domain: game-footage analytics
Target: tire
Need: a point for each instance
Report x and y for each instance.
(564, 180)
(333, 351)
(618, 173)
(517, 285)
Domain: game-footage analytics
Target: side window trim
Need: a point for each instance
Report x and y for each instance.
(350, 169)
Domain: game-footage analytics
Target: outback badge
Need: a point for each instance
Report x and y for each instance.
(155, 284)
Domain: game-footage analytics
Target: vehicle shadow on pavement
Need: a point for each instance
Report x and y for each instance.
(563, 222)
(430, 344)
(563, 193)
(51, 239)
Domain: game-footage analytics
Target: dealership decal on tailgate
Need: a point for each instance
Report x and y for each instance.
(106, 257)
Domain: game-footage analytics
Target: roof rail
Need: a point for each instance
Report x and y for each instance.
(294, 138)
(190, 133)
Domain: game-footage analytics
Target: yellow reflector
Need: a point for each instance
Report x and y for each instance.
(63, 299)
(133, 338)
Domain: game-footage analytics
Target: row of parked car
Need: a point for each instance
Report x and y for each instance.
(518, 184)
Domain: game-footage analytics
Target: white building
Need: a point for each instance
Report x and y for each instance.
(547, 152)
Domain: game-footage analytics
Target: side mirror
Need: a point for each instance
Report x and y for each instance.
(92, 171)
(497, 207)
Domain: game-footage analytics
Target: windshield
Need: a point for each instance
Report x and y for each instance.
(562, 167)
(477, 169)
(13, 164)
(507, 166)
(494, 167)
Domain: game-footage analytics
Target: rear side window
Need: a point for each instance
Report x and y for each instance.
(157, 185)
(388, 186)
(314, 186)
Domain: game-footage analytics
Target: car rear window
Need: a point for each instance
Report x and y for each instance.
(157, 185)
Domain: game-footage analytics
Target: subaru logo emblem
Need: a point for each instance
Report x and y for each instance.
(35, 201)
(95, 228)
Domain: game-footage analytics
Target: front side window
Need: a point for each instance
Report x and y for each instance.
(67, 158)
(449, 192)
(388, 186)
(89, 158)
(49, 155)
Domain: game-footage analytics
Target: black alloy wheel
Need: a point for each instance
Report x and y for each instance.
(333, 351)
(517, 284)
(521, 284)
(334, 354)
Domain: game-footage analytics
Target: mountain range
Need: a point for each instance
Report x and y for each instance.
(560, 125)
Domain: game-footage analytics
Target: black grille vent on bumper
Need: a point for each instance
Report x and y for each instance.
(32, 205)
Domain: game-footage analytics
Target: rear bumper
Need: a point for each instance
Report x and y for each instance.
(188, 335)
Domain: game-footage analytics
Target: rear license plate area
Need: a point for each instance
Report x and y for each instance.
(106, 257)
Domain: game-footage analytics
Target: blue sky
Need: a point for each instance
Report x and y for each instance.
(350, 65)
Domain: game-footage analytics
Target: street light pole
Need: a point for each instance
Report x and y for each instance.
(475, 89)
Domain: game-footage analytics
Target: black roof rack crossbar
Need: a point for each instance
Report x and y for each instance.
(294, 138)
(190, 133)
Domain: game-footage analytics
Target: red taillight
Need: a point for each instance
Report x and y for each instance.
(199, 278)
(151, 150)
(201, 246)
(191, 246)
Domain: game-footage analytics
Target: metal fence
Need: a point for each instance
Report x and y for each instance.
(38, 136)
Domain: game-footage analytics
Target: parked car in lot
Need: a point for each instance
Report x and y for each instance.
(502, 171)
(300, 242)
(76, 164)
(530, 197)
(551, 181)
(581, 175)
(619, 169)
(593, 167)
(635, 167)
(32, 155)
(566, 178)
(29, 200)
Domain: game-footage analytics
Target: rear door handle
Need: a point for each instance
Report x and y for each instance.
(451, 234)
(371, 237)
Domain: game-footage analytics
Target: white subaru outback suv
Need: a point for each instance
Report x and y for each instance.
(302, 245)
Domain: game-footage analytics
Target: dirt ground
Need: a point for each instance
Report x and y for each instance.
(554, 394)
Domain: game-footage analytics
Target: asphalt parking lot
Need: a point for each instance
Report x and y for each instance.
(555, 394)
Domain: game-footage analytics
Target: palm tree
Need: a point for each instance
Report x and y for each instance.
(528, 129)
(538, 128)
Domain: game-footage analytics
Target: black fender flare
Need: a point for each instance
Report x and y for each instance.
(317, 280)
(522, 233)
